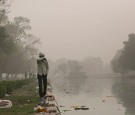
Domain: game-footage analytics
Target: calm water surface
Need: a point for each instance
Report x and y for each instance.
(103, 96)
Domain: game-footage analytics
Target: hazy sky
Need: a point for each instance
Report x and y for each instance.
(75, 29)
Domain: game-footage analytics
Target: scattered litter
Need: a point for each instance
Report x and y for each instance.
(6, 95)
(82, 108)
(66, 110)
(52, 109)
(61, 106)
(28, 100)
(50, 97)
(110, 96)
(48, 106)
(40, 109)
(5, 103)
(67, 92)
(103, 100)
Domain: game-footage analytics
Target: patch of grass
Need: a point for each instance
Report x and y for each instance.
(18, 110)
(23, 100)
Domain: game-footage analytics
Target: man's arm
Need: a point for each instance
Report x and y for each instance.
(40, 59)
(47, 66)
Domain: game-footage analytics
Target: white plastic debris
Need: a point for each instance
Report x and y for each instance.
(5, 103)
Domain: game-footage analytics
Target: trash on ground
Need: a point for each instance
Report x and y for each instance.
(40, 109)
(6, 95)
(5, 103)
(47, 106)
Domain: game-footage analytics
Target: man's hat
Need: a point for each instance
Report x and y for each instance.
(41, 54)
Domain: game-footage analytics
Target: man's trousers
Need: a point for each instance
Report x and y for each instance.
(42, 83)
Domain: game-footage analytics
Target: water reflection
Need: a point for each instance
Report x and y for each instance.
(97, 93)
(76, 82)
(124, 90)
(72, 84)
(73, 77)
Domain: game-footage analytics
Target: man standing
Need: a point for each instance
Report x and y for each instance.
(42, 72)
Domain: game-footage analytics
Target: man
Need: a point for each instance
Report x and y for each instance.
(42, 72)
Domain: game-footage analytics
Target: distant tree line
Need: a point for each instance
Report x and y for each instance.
(124, 60)
(73, 74)
(89, 65)
(17, 44)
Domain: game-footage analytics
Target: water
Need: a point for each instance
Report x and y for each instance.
(103, 96)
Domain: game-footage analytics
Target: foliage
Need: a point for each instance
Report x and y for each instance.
(69, 66)
(116, 67)
(9, 86)
(17, 45)
(23, 99)
(92, 65)
(125, 59)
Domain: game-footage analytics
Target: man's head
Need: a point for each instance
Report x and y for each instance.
(41, 54)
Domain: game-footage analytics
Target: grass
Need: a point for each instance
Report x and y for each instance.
(24, 100)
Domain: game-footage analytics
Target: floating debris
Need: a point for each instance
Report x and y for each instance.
(82, 108)
(110, 96)
(61, 106)
(103, 100)
(66, 110)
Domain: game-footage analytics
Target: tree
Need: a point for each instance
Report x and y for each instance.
(125, 59)
(7, 47)
(62, 68)
(74, 66)
(67, 67)
(4, 10)
(18, 28)
(17, 47)
(73, 74)
(92, 65)
(115, 64)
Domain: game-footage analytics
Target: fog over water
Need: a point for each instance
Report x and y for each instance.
(75, 29)
(105, 96)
